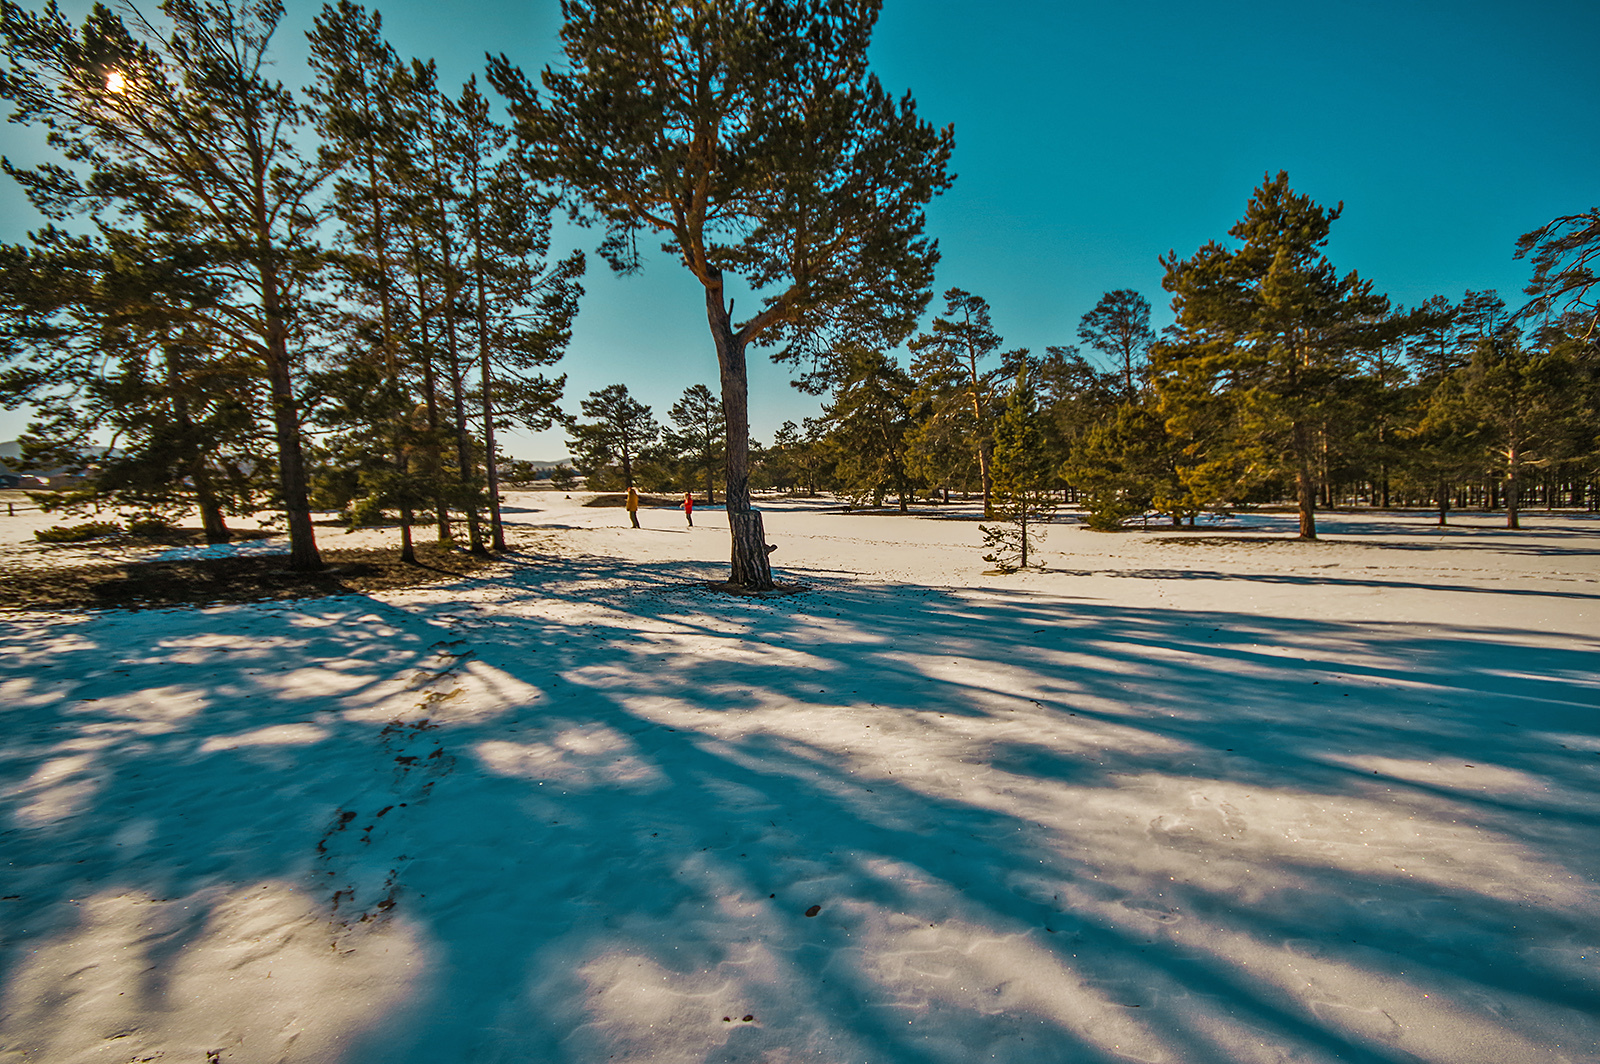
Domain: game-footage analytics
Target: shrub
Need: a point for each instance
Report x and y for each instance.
(148, 525)
(77, 533)
(1105, 511)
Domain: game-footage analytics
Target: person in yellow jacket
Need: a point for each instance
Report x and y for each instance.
(633, 506)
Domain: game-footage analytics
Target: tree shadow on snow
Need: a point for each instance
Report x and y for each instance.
(604, 800)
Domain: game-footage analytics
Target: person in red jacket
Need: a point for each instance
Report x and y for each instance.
(688, 508)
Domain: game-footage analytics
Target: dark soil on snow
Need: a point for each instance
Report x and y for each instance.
(207, 581)
(621, 499)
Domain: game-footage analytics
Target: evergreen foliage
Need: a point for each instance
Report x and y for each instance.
(698, 434)
(1564, 253)
(870, 417)
(1269, 334)
(173, 133)
(954, 363)
(1119, 328)
(621, 429)
(758, 145)
(1024, 479)
(1126, 466)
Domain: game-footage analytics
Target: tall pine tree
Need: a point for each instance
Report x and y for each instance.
(1270, 328)
(174, 126)
(755, 142)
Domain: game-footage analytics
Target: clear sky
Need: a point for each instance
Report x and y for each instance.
(1092, 138)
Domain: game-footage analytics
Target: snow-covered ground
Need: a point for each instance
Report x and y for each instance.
(1185, 797)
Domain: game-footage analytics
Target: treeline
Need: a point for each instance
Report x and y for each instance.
(1279, 380)
(622, 445)
(271, 302)
(339, 300)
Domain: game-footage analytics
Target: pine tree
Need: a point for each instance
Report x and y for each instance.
(1434, 349)
(1270, 329)
(755, 141)
(800, 456)
(1125, 466)
(1445, 443)
(868, 420)
(1519, 394)
(1119, 328)
(1378, 401)
(1024, 479)
(176, 128)
(1441, 445)
(522, 306)
(622, 428)
(439, 264)
(1075, 398)
(700, 429)
(1565, 253)
(103, 341)
(953, 362)
(362, 97)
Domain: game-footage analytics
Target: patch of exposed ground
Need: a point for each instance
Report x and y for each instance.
(206, 581)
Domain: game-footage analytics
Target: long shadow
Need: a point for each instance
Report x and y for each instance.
(1442, 543)
(1320, 580)
(868, 605)
(638, 768)
(1483, 532)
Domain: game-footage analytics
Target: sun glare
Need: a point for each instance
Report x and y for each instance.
(115, 82)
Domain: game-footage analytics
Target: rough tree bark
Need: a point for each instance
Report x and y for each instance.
(1305, 481)
(750, 567)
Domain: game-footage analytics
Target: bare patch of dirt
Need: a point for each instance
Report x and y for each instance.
(621, 499)
(777, 591)
(207, 581)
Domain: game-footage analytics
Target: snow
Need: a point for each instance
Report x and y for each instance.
(1186, 797)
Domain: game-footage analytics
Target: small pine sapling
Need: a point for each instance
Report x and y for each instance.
(1025, 496)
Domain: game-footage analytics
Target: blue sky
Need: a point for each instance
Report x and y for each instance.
(1093, 138)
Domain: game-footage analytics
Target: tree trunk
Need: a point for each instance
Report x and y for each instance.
(1444, 503)
(984, 443)
(491, 468)
(292, 482)
(1513, 488)
(750, 568)
(984, 474)
(210, 507)
(205, 496)
(1324, 481)
(464, 465)
(303, 554)
(391, 364)
(1305, 481)
(497, 532)
(430, 386)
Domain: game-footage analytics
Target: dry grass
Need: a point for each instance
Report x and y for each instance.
(621, 498)
(208, 581)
